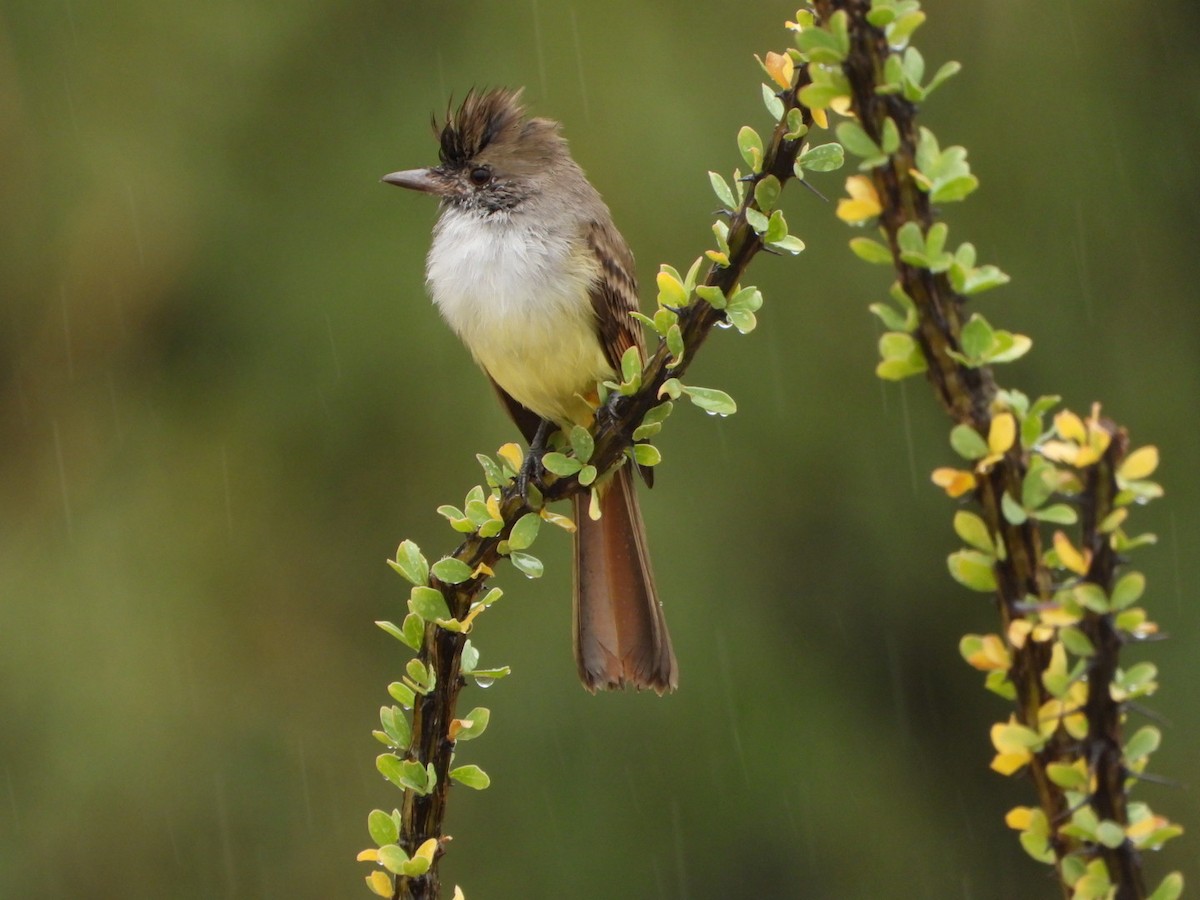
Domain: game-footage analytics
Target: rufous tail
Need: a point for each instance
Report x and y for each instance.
(620, 634)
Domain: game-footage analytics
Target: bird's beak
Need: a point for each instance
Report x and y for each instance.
(414, 180)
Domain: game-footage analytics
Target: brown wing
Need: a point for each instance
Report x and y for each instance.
(614, 295)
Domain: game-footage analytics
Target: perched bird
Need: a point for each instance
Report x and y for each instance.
(529, 271)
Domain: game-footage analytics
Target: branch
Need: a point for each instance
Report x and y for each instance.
(1053, 603)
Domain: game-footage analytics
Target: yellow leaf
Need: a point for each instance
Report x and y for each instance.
(841, 105)
(1058, 660)
(1005, 737)
(1007, 763)
(1057, 616)
(955, 482)
(721, 259)
(781, 68)
(493, 506)
(820, 118)
(483, 569)
(1146, 827)
(863, 203)
(991, 655)
(1002, 432)
(1018, 631)
(368, 855)
(513, 455)
(1070, 427)
(1059, 451)
(1141, 463)
(380, 883)
(1019, 818)
(427, 849)
(670, 290)
(1070, 557)
(458, 894)
(563, 522)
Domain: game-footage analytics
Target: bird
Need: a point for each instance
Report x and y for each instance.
(530, 272)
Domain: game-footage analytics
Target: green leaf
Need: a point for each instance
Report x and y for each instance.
(1067, 776)
(751, 147)
(491, 470)
(472, 776)
(741, 319)
(711, 294)
(967, 442)
(413, 631)
(973, 570)
(820, 46)
(777, 228)
(789, 243)
(888, 316)
(1039, 482)
(1058, 514)
(470, 657)
(451, 571)
(485, 677)
(772, 102)
(871, 251)
(711, 400)
(1144, 742)
(953, 189)
(1128, 590)
(766, 193)
(531, 566)
(405, 774)
(855, 139)
(1110, 834)
(395, 726)
(1171, 888)
(382, 827)
(974, 531)
(646, 455)
(561, 465)
(795, 125)
(674, 338)
(1076, 642)
(822, 158)
(757, 220)
(393, 858)
(948, 70)
(587, 475)
(410, 563)
(1013, 512)
(402, 694)
(458, 520)
(910, 240)
(582, 443)
(479, 718)
(721, 189)
(428, 603)
(977, 337)
(422, 676)
(889, 139)
(524, 531)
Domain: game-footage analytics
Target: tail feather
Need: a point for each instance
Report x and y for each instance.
(620, 634)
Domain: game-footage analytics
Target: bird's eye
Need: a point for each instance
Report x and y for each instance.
(481, 175)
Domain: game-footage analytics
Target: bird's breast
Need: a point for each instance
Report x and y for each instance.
(519, 298)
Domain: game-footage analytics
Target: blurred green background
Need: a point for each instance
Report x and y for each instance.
(225, 398)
